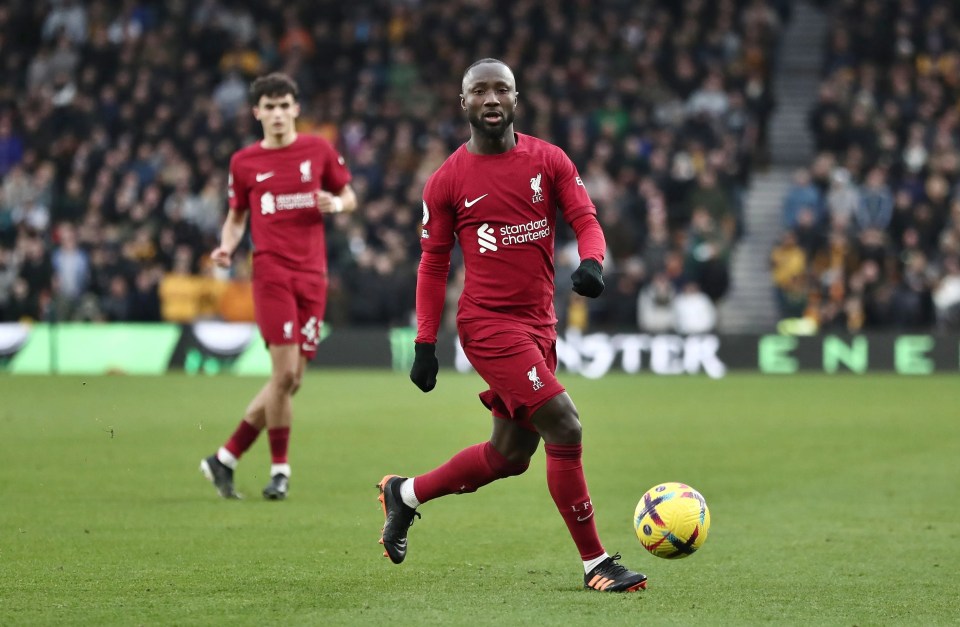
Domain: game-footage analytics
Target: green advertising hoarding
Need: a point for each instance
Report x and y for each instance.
(213, 348)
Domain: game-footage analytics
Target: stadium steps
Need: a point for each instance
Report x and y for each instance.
(796, 83)
(750, 307)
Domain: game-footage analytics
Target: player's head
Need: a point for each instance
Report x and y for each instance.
(274, 98)
(489, 96)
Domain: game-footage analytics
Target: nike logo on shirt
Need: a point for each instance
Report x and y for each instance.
(263, 176)
(470, 203)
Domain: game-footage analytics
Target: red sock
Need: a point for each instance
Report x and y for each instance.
(279, 441)
(242, 439)
(468, 470)
(568, 487)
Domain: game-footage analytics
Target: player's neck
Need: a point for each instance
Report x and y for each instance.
(278, 141)
(479, 144)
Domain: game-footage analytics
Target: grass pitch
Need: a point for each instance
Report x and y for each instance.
(834, 501)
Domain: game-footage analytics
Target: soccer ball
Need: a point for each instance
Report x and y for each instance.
(672, 520)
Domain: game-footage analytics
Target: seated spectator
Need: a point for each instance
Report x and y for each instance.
(694, 311)
(655, 305)
(182, 292)
(946, 296)
(236, 297)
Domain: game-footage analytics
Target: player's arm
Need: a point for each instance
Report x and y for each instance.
(431, 293)
(581, 215)
(230, 235)
(436, 242)
(588, 278)
(336, 176)
(236, 221)
(343, 201)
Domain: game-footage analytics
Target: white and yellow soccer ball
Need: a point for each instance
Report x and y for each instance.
(672, 520)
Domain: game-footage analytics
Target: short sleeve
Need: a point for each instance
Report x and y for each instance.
(237, 189)
(336, 174)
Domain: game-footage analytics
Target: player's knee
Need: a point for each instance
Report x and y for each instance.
(513, 469)
(510, 463)
(558, 422)
(297, 382)
(286, 379)
(567, 430)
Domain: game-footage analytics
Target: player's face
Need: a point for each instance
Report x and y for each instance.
(277, 114)
(490, 99)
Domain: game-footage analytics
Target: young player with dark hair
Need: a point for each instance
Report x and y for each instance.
(286, 182)
(498, 196)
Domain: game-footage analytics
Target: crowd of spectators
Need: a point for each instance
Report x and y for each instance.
(871, 234)
(117, 121)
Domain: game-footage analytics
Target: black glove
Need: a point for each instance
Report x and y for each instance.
(588, 279)
(423, 373)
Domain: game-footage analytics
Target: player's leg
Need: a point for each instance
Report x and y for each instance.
(285, 375)
(506, 454)
(279, 438)
(309, 302)
(558, 423)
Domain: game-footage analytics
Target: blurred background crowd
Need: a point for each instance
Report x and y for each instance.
(871, 228)
(117, 121)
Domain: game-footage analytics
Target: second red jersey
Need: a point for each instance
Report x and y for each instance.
(503, 210)
(278, 187)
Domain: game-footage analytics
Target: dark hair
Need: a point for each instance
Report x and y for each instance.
(274, 85)
(481, 62)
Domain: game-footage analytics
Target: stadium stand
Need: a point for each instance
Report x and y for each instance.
(871, 234)
(117, 121)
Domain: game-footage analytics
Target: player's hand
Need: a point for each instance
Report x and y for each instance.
(423, 373)
(588, 279)
(221, 256)
(328, 203)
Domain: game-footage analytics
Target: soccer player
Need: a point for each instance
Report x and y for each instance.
(498, 196)
(286, 182)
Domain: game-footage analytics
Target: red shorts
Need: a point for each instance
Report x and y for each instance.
(519, 367)
(289, 307)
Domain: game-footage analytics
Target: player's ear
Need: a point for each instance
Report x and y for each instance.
(463, 102)
(256, 113)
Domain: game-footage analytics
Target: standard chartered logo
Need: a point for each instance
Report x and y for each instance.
(486, 238)
(511, 234)
(285, 202)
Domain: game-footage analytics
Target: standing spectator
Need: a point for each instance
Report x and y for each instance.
(788, 265)
(876, 203)
(70, 264)
(11, 145)
(802, 193)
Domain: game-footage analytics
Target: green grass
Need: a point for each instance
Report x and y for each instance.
(834, 501)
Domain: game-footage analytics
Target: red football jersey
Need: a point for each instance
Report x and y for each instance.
(277, 186)
(503, 210)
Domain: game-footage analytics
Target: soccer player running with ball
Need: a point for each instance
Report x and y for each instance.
(286, 182)
(498, 195)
